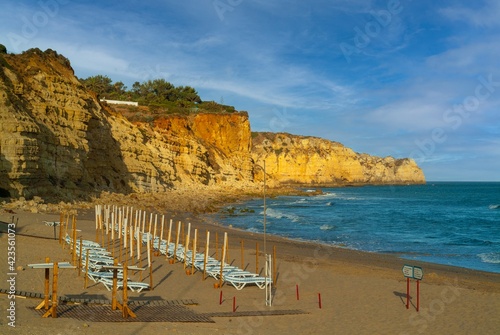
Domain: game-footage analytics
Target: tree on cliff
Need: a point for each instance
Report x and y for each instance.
(3, 49)
(99, 84)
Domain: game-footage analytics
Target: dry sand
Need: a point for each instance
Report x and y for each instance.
(361, 293)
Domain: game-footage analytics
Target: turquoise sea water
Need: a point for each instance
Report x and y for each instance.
(441, 222)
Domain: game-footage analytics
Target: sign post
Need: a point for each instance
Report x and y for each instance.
(408, 273)
(414, 272)
(418, 274)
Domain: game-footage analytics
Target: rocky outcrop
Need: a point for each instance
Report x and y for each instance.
(311, 160)
(57, 139)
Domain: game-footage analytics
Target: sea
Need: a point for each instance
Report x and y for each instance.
(451, 223)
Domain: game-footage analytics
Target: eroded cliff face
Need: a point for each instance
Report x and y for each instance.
(299, 159)
(57, 139)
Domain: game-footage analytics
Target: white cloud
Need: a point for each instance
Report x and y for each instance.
(486, 16)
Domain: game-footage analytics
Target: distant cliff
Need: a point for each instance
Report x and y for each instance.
(57, 139)
(311, 160)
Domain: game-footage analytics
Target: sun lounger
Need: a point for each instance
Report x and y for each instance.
(240, 282)
(97, 275)
(214, 271)
(132, 285)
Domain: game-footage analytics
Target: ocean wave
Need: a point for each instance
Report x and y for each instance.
(276, 214)
(326, 227)
(494, 206)
(490, 257)
(327, 195)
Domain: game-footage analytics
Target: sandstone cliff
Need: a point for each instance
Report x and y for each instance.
(300, 159)
(57, 139)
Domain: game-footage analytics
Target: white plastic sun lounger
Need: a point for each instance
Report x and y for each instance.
(97, 275)
(132, 285)
(214, 271)
(240, 282)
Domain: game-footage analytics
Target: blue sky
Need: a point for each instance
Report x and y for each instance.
(397, 78)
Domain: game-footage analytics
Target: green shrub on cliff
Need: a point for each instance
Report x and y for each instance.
(3, 49)
(159, 95)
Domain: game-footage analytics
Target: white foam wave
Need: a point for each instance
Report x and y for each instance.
(490, 257)
(327, 195)
(495, 206)
(253, 230)
(326, 227)
(276, 214)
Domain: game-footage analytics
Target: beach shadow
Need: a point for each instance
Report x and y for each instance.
(163, 279)
(84, 296)
(145, 299)
(402, 297)
(277, 275)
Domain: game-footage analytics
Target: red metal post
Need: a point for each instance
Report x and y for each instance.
(319, 300)
(418, 294)
(297, 291)
(234, 304)
(407, 293)
(220, 298)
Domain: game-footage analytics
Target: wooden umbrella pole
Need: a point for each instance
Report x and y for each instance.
(143, 221)
(242, 256)
(227, 249)
(74, 242)
(79, 267)
(86, 269)
(206, 256)
(216, 245)
(102, 233)
(114, 304)
(55, 275)
(183, 234)
(151, 286)
(150, 223)
(177, 239)
(257, 257)
(193, 254)
(139, 258)
(155, 227)
(223, 259)
(97, 215)
(169, 235)
(274, 265)
(186, 244)
(61, 223)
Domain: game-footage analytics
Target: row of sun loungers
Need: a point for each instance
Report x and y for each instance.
(98, 259)
(231, 274)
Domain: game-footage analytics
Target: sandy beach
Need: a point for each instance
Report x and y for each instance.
(361, 293)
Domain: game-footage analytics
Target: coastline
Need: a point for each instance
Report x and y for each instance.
(353, 285)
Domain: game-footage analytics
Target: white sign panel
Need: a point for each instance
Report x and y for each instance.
(408, 271)
(418, 273)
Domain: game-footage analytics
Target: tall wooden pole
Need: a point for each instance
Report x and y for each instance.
(223, 259)
(242, 256)
(206, 256)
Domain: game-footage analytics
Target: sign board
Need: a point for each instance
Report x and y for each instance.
(418, 273)
(408, 271)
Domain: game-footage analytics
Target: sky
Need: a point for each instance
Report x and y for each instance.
(400, 78)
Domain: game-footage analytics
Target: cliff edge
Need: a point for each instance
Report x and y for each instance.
(58, 140)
